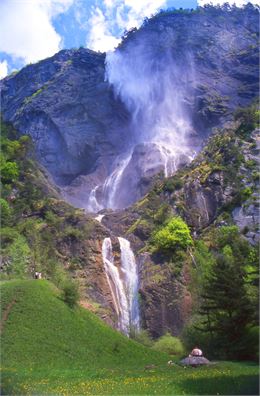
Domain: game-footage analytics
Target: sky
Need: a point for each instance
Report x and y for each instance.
(31, 30)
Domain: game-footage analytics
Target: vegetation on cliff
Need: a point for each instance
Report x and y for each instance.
(219, 269)
(40, 232)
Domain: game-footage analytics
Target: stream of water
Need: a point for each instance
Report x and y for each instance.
(123, 284)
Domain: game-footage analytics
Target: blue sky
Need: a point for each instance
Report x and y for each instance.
(32, 30)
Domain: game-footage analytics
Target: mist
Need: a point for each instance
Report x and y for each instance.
(156, 89)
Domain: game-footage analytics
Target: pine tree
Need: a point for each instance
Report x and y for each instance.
(226, 305)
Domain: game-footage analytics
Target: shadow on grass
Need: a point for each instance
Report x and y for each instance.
(217, 385)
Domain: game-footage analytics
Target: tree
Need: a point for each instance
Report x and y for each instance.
(9, 172)
(174, 235)
(19, 255)
(226, 305)
(5, 211)
(70, 293)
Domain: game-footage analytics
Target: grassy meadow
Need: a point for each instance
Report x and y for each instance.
(50, 349)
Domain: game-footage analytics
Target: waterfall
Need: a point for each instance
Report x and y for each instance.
(113, 181)
(93, 205)
(123, 284)
(129, 269)
(116, 286)
(205, 205)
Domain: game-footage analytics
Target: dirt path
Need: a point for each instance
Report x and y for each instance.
(6, 313)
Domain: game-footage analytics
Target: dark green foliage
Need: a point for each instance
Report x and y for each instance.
(204, 260)
(245, 193)
(193, 336)
(248, 118)
(227, 303)
(143, 337)
(70, 293)
(37, 226)
(172, 184)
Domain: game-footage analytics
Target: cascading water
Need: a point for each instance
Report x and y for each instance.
(156, 88)
(129, 269)
(116, 286)
(123, 284)
(93, 204)
(112, 182)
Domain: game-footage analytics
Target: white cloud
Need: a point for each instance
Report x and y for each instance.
(3, 69)
(110, 19)
(238, 3)
(100, 38)
(26, 29)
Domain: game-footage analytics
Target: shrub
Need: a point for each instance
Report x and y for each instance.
(70, 293)
(143, 338)
(175, 234)
(172, 184)
(5, 211)
(9, 172)
(245, 193)
(169, 344)
(19, 255)
(72, 233)
(248, 118)
(192, 336)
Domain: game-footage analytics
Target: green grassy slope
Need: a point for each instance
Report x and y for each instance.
(41, 330)
(48, 348)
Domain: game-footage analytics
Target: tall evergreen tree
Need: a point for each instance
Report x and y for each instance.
(226, 305)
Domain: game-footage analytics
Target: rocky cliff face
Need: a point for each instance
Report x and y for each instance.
(108, 129)
(218, 188)
(69, 111)
(97, 136)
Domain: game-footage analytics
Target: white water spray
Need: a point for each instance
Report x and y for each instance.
(93, 204)
(123, 284)
(154, 89)
(112, 182)
(116, 286)
(129, 269)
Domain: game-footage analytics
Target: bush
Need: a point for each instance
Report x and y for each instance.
(5, 211)
(169, 344)
(9, 172)
(250, 344)
(248, 118)
(175, 234)
(143, 338)
(193, 336)
(70, 293)
(172, 184)
(19, 255)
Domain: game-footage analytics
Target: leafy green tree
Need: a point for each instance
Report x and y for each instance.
(9, 172)
(5, 211)
(19, 255)
(174, 235)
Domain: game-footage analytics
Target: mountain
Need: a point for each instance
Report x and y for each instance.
(161, 139)
(104, 125)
